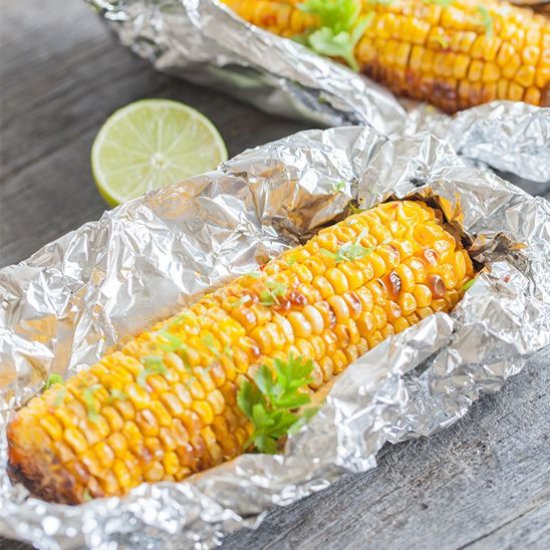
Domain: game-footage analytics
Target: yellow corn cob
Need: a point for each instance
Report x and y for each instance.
(447, 55)
(164, 405)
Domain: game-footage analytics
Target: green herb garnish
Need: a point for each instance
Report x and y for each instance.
(441, 40)
(355, 209)
(60, 397)
(181, 319)
(86, 496)
(269, 400)
(442, 3)
(349, 252)
(341, 28)
(210, 343)
(153, 365)
(469, 284)
(52, 380)
(117, 395)
(88, 396)
(175, 345)
(271, 295)
(337, 187)
(486, 20)
(253, 274)
(241, 301)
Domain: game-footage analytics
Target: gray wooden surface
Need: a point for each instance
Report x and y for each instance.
(484, 483)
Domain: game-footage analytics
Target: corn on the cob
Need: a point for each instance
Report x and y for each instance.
(164, 405)
(454, 56)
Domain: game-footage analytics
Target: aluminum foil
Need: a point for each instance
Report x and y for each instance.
(64, 307)
(204, 42)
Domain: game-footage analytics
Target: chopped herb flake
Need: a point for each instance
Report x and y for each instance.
(153, 365)
(441, 40)
(52, 380)
(59, 397)
(349, 252)
(337, 187)
(355, 209)
(443, 3)
(88, 396)
(241, 301)
(486, 20)
(271, 295)
(117, 395)
(468, 285)
(210, 343)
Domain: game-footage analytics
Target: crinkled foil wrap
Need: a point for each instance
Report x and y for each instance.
(77, 297)
(202, 41)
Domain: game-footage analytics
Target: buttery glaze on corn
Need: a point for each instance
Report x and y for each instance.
(445, 55)
(187, 419)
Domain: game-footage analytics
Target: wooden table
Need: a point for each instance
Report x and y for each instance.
(484, 483)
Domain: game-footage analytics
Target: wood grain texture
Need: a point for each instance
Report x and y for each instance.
(484, 483)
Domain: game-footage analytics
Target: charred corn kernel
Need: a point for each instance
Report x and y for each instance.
(175, 412)
(416, 48)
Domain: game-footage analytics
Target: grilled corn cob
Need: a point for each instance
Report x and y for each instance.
(164, 405)
(454, 56)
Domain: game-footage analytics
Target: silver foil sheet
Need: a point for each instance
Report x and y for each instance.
(204, 42)
(64, 307)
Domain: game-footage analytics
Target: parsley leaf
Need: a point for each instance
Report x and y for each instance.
(338, 15)
(326, 41)
(341, 28)
(269, 400)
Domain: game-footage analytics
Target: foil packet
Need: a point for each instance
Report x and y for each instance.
(205, 43)
(73, 300)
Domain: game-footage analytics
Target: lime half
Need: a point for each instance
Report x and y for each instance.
(152, 143)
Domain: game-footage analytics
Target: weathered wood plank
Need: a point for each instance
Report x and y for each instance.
(485, 483)
(55, 96)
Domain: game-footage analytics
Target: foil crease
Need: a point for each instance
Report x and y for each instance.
(204, 42)
(64, 307)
